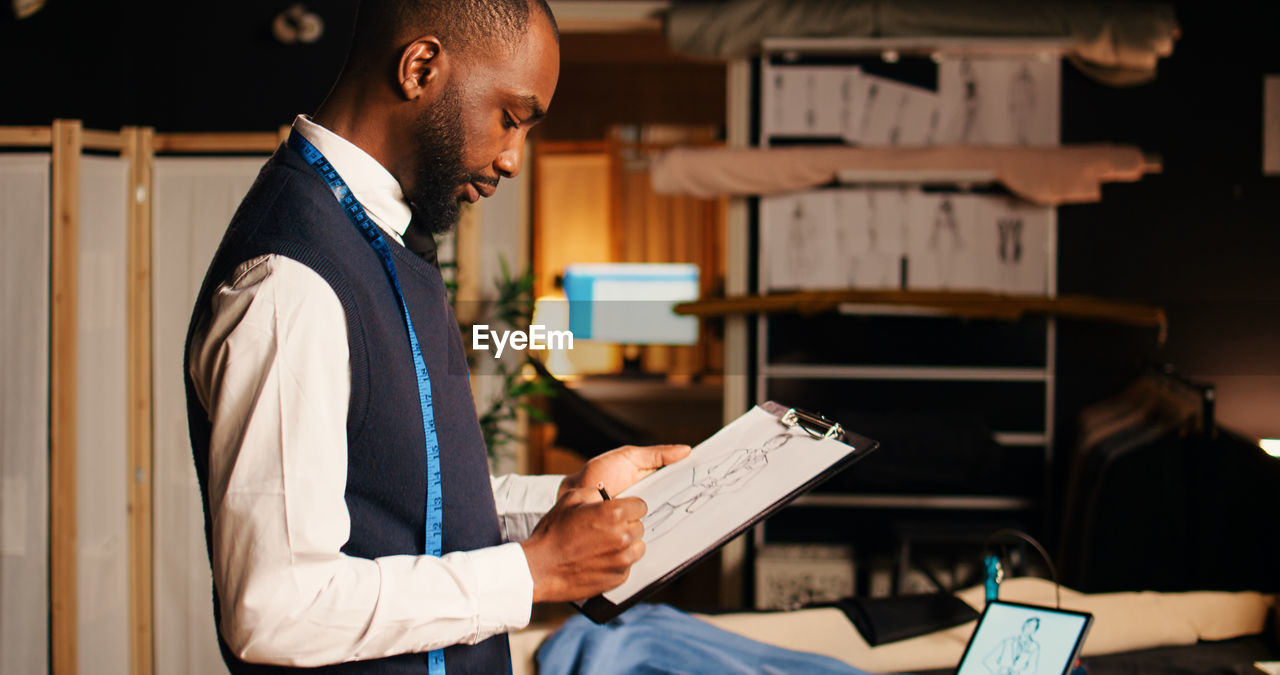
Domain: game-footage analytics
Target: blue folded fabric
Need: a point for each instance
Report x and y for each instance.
(655, 639)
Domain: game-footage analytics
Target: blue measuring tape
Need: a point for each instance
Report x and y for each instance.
(373, 235)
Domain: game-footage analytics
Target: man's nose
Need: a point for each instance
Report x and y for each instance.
(508, 161)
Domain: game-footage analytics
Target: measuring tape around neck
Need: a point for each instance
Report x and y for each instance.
(373, 235)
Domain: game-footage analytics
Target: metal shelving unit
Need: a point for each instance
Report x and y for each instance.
(765, 373)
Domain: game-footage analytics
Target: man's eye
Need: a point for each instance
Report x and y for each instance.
(509, 122)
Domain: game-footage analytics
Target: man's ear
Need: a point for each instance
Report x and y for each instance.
(423, 69)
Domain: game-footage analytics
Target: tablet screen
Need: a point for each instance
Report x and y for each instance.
(1014, 639)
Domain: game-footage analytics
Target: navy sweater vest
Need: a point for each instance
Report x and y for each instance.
(289, 211)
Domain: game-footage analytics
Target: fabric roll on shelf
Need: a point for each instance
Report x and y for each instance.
(1115, 43)
(1049, 176)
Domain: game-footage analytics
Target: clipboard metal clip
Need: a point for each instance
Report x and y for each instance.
(813, 424)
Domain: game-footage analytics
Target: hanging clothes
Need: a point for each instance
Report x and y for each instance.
(1159, 498)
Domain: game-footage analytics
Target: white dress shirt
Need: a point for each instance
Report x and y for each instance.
(271, 367)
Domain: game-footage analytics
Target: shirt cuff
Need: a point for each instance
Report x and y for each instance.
(505, 601)
(522, 501)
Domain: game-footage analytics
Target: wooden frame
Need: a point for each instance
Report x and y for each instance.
(68, 142)
(139, 149)
(202, 142)
(142, 397)
(26, 137)
(220, 142)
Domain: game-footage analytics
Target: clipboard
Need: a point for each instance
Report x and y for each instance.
(726, 486)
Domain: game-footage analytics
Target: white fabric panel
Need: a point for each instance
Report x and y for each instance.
(24, 413)
(102, 526)
(194, 199)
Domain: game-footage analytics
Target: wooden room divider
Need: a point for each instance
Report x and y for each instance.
(79, 352)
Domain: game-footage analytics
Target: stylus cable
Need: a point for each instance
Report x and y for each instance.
(1053, 572)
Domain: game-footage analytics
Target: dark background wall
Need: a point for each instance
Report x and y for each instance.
(178, 66)
(183, 66)
(1201, 239)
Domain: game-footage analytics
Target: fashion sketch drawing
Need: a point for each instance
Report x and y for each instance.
(949, 251)
(1010, 250)
(704, 481)
(1016, 654)
(969, 129)
(1022, 105)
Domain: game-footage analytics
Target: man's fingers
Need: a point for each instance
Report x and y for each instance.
(629, 509)
(635, 531)
(585, 545)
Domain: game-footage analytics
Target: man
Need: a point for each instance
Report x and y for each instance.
(328, 483)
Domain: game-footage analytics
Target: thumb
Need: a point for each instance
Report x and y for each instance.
(658, 456)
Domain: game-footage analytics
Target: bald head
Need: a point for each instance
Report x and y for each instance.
(466, 28)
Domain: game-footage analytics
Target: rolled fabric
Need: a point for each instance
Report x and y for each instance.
(1045, 176)
(1116, 43)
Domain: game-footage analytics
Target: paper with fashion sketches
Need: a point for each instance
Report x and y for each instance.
(886, 112)
(741, 472)
(1013, 101)
(806, 101)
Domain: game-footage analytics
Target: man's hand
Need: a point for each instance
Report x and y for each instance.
(619, 469)
(584, 546)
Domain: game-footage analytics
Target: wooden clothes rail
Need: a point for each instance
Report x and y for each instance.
(949, 303)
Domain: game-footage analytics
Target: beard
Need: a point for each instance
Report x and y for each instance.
(441, 170)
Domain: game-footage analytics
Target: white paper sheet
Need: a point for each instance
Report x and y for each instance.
(194, 201)
(24, 412)
(805, 101)
(888, 225)
(744, 468)
(102, 527)
(942, 244)
(888, 112)
(1000, 101)
(1011, 243)
(800, 251)
(855, 237)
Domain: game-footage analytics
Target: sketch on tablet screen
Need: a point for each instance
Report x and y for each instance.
(1016, 654)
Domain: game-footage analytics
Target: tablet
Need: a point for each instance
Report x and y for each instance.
(1017, 639)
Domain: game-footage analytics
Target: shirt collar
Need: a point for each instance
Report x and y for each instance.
(376, 189)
